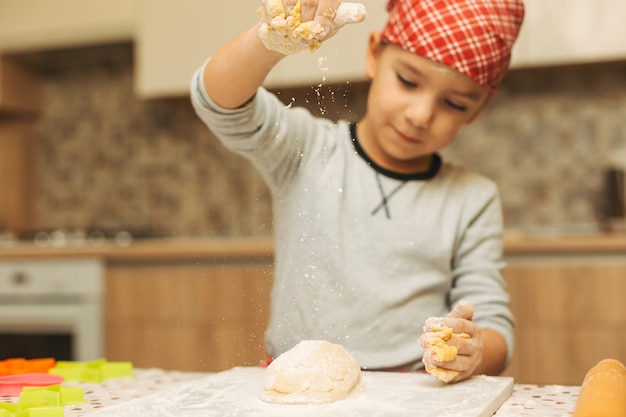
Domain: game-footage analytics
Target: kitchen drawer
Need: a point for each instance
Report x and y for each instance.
(570, 314)
(194, 316)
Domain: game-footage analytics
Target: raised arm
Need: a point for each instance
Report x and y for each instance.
(239, 68)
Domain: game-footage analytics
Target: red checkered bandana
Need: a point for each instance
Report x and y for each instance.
(475, 37)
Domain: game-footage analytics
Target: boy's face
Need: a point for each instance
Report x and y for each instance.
(415, 107)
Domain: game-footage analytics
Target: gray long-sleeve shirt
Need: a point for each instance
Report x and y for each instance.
(363, 255)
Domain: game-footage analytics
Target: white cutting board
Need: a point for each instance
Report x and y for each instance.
(235, 393)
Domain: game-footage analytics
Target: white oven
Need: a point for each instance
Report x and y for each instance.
(52, 308)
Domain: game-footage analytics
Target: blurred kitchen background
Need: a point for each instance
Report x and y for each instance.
(98, 138)
(107, 155)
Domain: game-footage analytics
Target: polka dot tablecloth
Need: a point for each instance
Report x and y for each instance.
(115, 391)
(526, 400)
(540, 400)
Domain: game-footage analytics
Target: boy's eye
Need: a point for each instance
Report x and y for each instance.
(406, 82)
(455, 105)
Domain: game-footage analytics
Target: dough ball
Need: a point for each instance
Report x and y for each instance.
(312, 372)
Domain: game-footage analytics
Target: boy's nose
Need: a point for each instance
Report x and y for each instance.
(420, 113)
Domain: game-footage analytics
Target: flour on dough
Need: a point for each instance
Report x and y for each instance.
(312, 372)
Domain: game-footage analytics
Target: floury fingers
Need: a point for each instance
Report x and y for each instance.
(285, 32)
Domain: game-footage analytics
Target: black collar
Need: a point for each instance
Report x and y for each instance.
(426, 175)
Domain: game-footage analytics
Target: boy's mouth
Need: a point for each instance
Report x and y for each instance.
(406, 138)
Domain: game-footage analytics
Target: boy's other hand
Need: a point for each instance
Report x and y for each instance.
(465, 337)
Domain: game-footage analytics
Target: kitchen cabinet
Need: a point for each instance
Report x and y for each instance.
(20, 101)
(175, 38)
(20, 87)
(558, 32)
(43, 24)
(194, 316)
(211, 316)
(570, 314)
(17, 175)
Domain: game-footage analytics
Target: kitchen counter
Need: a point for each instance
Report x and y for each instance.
(520, 243)
(161, 249)
(526, 400)
(232, 248)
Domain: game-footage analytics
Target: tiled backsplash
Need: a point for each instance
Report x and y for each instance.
(110, 160)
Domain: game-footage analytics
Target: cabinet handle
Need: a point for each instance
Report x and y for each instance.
(20, 278)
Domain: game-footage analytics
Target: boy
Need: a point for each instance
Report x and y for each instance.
(374, 232)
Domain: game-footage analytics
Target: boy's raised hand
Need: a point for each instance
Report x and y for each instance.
(290, 26)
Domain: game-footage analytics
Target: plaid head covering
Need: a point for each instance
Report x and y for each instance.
(475, 37)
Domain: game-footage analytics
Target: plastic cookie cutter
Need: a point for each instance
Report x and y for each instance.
(12, 385)
(94, 371)
(17, 410)
(15, 366)
(43, 402)
(52, 396)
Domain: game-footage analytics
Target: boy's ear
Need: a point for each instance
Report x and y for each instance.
(373, 51)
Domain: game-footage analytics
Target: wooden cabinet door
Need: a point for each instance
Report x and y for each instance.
(570, 314)
(17, 176)
(20, 88)
(190, 317)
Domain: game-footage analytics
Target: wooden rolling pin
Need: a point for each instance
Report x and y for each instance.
(603, 391)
